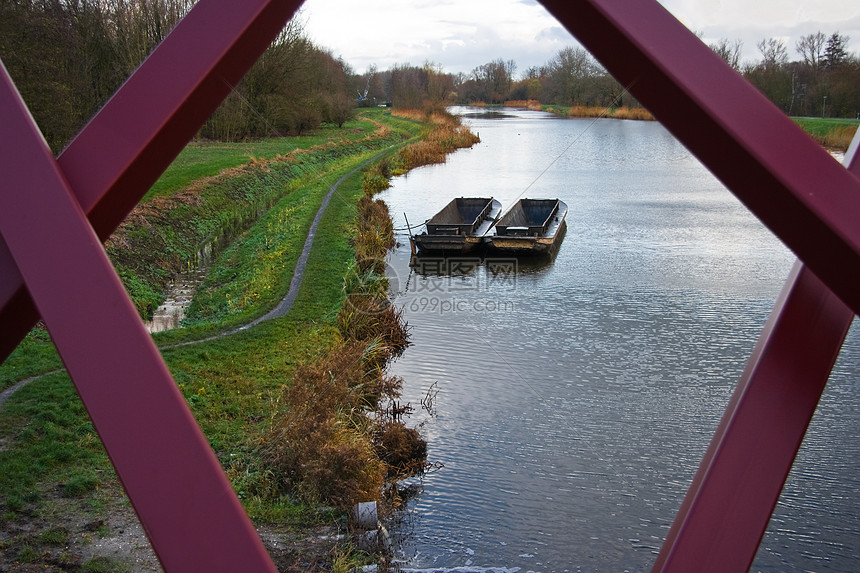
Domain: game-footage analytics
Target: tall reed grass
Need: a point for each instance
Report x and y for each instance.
(623, 112)
(320, 444)
(337, 437)
(445, 133)
(837, 138)
(529, 104)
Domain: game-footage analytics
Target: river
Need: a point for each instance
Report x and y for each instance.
(573, 398)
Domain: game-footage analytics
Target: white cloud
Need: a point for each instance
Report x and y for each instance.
(461, 35)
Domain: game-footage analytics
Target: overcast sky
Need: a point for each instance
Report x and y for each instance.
(460, 35)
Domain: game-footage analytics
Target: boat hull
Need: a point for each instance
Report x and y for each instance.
(460, 227)
(445, 244)
(529, 245)
(532, 226)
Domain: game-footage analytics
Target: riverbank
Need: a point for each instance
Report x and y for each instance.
(831, 133)
(60, 497)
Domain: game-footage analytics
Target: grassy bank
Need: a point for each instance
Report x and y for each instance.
(619, 112)
(829, 132)
(832, 133)
(219, 201)
(58, 491)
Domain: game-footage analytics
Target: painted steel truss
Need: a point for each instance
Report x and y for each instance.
(54, 213)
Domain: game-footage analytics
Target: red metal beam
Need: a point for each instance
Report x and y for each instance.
(183, 499)
(117, 157)
(801, 193)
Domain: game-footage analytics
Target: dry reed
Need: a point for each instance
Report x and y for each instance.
(529, 104)
(838, 138)
(320, 443)
(623, 112)
(445, 135)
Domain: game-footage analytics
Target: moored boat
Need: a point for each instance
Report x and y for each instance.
(460, 227)
(531, 226)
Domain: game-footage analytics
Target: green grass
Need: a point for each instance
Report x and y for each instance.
(830, 132)
(227, 206)
(35, 355)
(53, 444)
(253, 274)
(823, 125)
(52, 462)
(202, 159)
(232, 385)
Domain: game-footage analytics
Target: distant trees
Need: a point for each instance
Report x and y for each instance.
(729, 51)
(490, 82)
(835, 54)
(811, 49)
(572, 77)
(822, 82)
(68, 57)
(292, 89)
(406, 86)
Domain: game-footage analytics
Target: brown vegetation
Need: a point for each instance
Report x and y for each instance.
(446, 134)
(623, 112)
(338, 434)
(374, 234)
(320, 444)
(530, 104)
(838, 138)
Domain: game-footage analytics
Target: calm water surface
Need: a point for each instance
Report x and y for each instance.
(574, 398)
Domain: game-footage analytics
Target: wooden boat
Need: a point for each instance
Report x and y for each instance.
(460, 227)
(531, 226)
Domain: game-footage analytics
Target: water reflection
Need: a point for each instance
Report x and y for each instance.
(576, 396)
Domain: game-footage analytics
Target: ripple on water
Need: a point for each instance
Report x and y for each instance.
(572, 413)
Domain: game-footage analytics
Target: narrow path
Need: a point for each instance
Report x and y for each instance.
(280, 309)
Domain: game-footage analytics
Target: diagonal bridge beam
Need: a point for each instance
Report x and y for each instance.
(54, 215)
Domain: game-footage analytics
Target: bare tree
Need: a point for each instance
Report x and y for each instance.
(571, 76)
(811, 49)
(729, 51)
(774, 53)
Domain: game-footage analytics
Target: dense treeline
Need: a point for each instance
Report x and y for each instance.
(572, 77)
(68, 56)
(292, 89)
(823, 82)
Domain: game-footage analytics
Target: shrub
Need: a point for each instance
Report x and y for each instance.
(321, 444)
(838, 138)
(367, 318)
(402, 449)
